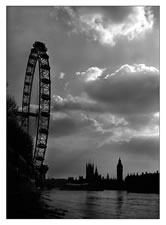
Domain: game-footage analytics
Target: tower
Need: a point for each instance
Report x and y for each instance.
(119, 170)
(96, 172)
(96, 175)
(89, 172)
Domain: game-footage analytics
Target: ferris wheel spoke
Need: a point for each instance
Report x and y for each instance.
(38, 54)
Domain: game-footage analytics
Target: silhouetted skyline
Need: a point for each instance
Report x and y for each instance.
(144, 182)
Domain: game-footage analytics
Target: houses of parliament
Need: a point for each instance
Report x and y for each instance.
(93, 181)
(92, 174)
(144, 182)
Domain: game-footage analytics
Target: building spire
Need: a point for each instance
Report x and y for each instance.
(119, 170)
(119, 161)
(96, 171)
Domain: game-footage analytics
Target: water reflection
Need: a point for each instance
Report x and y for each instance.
(119, 203)
(90, 201)
(104, 204)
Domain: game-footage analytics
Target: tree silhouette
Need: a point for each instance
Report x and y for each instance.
(19, 143)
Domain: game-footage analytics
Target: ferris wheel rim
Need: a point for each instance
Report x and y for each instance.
(38, 54)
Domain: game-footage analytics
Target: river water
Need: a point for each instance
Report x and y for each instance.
(101, 204)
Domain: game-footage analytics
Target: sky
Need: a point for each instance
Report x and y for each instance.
(105, 83)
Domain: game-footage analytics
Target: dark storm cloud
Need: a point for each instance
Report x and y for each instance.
(131, 89)
(119, 105)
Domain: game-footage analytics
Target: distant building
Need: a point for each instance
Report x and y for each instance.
(145, 182)
(92, 174)
(119, 171)
(81, 179)
(70, 179)
(89, 172)
(96, 173)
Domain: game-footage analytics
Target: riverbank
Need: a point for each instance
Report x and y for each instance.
(24, 201)
(29, 205)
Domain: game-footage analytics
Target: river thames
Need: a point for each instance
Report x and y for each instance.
(101, 204)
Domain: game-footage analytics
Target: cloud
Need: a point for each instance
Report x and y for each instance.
(81, 122)
(117, 14)
(62, 75)
(120, 105)
(130, 89)
(107, 24)
(138, 121)
(125, 134)
(97, 125)
(73, 103)
(133, 69)
(116, 129)
(110, 128)
(108, 122)
(66, 124)
(62, 124)
(91, 74)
